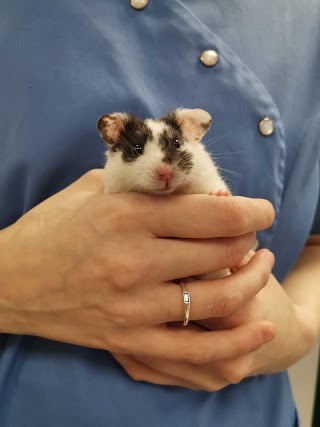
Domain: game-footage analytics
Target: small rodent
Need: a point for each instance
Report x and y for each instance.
(160, 156)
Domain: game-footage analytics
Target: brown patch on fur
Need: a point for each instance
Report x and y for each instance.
(205, 126)
(110, 127)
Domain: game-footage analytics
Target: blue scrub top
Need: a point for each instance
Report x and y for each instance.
(63, 64)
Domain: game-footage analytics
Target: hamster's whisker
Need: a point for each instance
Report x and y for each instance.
(140, 108)
(230, 171)
(229, 180)
(229, 152)
(238, 175)
(212, 141)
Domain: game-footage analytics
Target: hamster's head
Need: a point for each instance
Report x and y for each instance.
(155, 156)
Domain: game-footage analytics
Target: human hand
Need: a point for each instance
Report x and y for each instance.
(209, 375)
(295, 328)
(96, 269)
(295, 334)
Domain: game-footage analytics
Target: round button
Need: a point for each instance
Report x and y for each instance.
(139, 4)
(209, 58)
(266, 126)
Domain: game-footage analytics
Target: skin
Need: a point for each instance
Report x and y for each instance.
(296, 315)
(95, 270)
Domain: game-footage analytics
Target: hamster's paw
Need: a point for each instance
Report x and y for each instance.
(220, 193)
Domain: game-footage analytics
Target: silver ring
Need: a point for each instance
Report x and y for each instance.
(186, 302)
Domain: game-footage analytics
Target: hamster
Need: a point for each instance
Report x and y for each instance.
(160, 156)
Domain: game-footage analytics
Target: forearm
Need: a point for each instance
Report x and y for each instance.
(10, 321)
(303, 283)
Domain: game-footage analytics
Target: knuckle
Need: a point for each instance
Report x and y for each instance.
(135, 373)
(116, 341)
(125, 278)
(210, 386)
(195, 356)
(237, 216)
(118, 313)
(120, 220)
(122, 212)
(125, 271)
(237, 247)
(136, 268)
(110, 272)
(233, 251)
(225, 302)
(234, 377)
(233, 374)
(119, 316)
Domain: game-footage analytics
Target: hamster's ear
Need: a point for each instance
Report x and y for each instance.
(110, 127)
(193, 123)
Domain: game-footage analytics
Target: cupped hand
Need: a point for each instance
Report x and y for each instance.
(217, 374)
(294, 328)
(293, 338)
(96, 269)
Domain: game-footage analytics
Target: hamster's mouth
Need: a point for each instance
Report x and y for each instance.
(166, 189)
(169, 187)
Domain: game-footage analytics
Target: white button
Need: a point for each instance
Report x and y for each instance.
(139, 4)
(209, 58)
(266, 127)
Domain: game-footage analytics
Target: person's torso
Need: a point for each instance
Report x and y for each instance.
(65, 63)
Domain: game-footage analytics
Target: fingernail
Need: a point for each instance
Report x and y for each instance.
(273, 259)
(267, 253)
(268, 335)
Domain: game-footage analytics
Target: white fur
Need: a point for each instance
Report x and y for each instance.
(204, 176)
(140, 175)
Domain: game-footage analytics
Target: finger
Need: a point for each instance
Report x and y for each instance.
(209, 299)
(244, 261)
(200, 377)
(235, 369)
(208, 376)
(203, 216)
(194, 346)
(191, 325)
(140, 371)
(183, 258)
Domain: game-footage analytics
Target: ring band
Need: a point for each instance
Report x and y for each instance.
(186, 302)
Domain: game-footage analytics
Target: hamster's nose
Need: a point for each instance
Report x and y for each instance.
(164, 171)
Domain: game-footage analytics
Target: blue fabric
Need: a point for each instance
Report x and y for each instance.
(63, 64)
(316, 223)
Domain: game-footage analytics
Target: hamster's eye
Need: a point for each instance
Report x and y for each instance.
(138, 149)
(176, 143)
